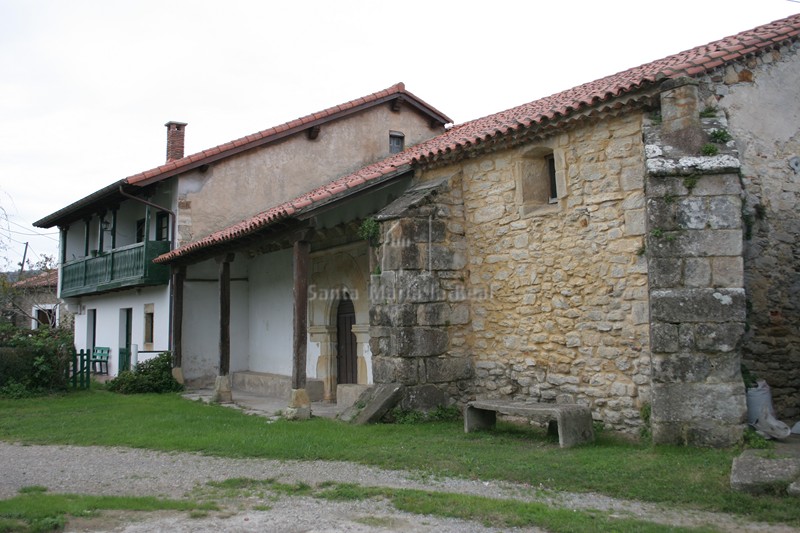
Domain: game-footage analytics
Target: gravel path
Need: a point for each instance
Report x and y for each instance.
(127, 471)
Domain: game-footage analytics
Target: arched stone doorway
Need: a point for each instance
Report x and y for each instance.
(340, 279)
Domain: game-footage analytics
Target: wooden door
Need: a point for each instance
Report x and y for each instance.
(346, 355)
(126, 320)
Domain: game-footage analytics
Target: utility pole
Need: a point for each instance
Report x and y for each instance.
(22, 265)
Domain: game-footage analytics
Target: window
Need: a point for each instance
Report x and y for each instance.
(551, 173)
(149, 324)
(44, 317)
(140, 230)
(162, 226)
(537, 181)
(396, 142)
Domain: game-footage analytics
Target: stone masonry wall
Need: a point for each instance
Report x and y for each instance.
(566, 317)
(747, 92)
(420, 309)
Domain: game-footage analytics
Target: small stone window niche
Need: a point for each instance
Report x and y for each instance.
(397, 142)
(539, 180)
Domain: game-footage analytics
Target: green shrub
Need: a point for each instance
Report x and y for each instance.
(709, 149)
(36, 360)
(721, 136)
(14, 390)
(708, 112)
(370, 231)
(752, 439)
(153, 375)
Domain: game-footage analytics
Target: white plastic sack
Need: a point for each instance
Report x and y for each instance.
(761, 413)
(796, 429)
(757, 398)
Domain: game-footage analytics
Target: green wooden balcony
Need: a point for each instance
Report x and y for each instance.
(126, 267)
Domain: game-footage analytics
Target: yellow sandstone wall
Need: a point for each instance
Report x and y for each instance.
(566, 316)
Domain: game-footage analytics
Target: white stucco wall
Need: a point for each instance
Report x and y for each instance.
(761, 102)
(271, 308)
(214, 197)
(108, 330)
(201, 320)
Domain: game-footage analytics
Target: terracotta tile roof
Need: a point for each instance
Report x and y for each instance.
(44, 279)
(87, 205)
(177, 166)
(692, 62)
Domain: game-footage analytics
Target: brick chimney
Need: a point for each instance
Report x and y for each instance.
(175, 134)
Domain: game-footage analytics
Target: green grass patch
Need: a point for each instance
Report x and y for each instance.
(488, 511)
(676, 476)
(511, 513)
(34, 510)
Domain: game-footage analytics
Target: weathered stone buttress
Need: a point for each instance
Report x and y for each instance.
(420, 312)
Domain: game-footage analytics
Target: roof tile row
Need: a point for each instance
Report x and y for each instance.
(265, 135)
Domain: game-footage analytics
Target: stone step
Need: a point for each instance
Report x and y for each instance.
(275, 385)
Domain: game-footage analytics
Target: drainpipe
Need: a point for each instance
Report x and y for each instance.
(173, 220)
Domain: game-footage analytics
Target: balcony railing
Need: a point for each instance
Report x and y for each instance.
(129, 266)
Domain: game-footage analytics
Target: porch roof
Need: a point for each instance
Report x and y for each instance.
(286, 215)
(599, 96)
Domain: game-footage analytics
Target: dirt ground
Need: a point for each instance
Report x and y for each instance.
(126, 471)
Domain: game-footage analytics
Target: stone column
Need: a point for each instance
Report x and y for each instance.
(680, 115)
(696, 288)
(361, 331)
(326, 365)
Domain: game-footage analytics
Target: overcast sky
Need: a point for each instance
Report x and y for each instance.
(86, 86)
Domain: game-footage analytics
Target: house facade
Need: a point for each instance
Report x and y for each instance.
(120, 298)
(625, 244)
(32, 302)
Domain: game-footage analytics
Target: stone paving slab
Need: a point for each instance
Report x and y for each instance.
(757, 472)
(265, 406)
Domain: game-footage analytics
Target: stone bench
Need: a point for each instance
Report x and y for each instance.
(574, 421)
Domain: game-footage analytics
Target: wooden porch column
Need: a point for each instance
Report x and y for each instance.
(63, 243)
(86, 222)
(146, 228)
(222, 387)
(63, 257)
(114, 228)
(100, 231)
(299, 405)
(178, 277)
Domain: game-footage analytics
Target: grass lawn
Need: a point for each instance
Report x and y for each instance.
(35, 511)
(678, 477)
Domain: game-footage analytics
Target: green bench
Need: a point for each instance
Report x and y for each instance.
(99, 359)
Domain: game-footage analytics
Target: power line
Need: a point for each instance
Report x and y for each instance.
(29, 229)
(45, 235)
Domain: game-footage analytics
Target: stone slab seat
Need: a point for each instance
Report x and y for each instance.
(574, 421)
